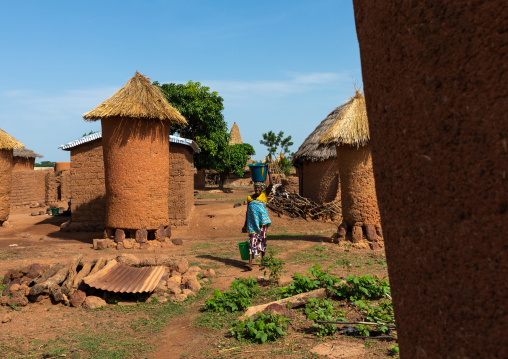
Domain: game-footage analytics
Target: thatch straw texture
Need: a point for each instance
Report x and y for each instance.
(352, 126)
(25, 153)
(7, 142)
(280, 157)
(236, 138)
(311, 150)
(138, 99)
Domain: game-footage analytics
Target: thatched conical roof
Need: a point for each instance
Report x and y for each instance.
(311, 150)
(25, 153)
(236, 138)
(280, 157)
(7, 142)
(352, 125)
(137, 99)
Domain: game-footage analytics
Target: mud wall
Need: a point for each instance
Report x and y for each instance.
(181, 184)
(88, 191)
(435, 77)
(320, 180)
(28, 187)
(291, 184)
(136, 163)
(199, 176)
(22, 163)
(5, 184)
(358, 188)
(58, 186)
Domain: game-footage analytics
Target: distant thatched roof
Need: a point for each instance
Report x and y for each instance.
(280, 157)
(236, 138)
(311, 150)
(137, 99)
(25, 153)
(352, 126)
(7, 142)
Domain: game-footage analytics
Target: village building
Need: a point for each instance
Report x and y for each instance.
(350, 135)
(317, 167)
(136, 123)
(23, 159)
(88, 188)
(7, 144)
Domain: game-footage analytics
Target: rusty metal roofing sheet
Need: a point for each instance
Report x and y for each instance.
(116, 277)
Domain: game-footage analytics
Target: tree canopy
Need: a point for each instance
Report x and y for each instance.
(273, 142)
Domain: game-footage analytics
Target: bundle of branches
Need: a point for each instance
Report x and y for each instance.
(295, 205)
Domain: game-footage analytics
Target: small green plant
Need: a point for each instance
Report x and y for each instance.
(365, 287)
(322, 309)
(394, 350)
(14, 307)
(2, 286)
(274, 265)
(237, 298)
(346, 263)
(264, 328)
(317, 278)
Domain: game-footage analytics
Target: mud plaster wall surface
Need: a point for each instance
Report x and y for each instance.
(136, 163)
(28, 187)
(199, 177)
(88, 190)
(5, 183)
(58, 186)
(435, 82)
(358, 189)
(320, 180)
(22, 163)
(181, 184)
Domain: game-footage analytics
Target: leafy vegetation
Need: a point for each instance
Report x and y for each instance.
(273, 142)
(266, 327)
(45, 164)
(323, 309)
(274, 265)
(317, 278)
(365, 287)
(237, 298)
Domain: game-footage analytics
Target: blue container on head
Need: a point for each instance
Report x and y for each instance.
(258, 172)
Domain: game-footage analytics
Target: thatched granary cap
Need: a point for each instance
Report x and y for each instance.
(236, 138)
(7, 142)
(137, 99)
(311, 150)
(25, 153)
(352, 125)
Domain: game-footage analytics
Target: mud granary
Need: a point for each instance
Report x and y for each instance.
(7, 144)
(88, 186)
(136, 123)
(23, 159)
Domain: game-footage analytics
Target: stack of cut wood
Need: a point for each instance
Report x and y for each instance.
(295, 205)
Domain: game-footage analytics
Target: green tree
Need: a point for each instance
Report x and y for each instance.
(202, 109)
(273, 142)
(45, 164)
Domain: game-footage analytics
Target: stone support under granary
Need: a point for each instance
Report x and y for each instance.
(136, 163)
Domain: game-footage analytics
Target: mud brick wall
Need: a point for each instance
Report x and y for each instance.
(291, 184)
(65, 185)
(5, 184)
(28, 187)
(22, 163)
(199, 178)
(58, 186)
(435, 75)
(181, 184)
(88, 191)
(320, 180)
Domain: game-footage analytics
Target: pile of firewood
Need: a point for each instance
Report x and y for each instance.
(295, 205)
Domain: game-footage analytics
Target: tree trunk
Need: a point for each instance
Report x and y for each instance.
(222, 179)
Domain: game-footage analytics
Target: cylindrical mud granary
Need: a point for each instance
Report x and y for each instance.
(7, 143)
(350, 134)
(135, 137)
(359, 200)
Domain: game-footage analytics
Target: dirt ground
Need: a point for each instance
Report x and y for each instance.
(44, 330)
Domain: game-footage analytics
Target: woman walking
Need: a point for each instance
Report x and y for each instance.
(257, 220)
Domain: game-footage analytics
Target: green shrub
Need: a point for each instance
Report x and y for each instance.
(237, 298)
(322, 309)
(275, 266)
(366, 287)
(266, 327)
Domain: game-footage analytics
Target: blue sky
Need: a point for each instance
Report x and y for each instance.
(279, 65)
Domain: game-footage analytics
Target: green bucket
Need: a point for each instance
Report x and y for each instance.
(244, 250)
(54, 211)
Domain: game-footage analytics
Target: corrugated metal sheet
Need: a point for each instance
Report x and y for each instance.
(116, 277)
(97, 135)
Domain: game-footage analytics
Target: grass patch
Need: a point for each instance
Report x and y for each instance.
(311, 255)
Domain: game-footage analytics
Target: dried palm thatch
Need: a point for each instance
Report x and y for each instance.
(352, 126)
(25, 153)
(280, 157)
(138, 99)
(7, 142)
(236, 138)
(311, 150)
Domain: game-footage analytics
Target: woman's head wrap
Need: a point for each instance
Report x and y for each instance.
(260, 184)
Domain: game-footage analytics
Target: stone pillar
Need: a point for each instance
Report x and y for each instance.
(136, 165)
(435, 76)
